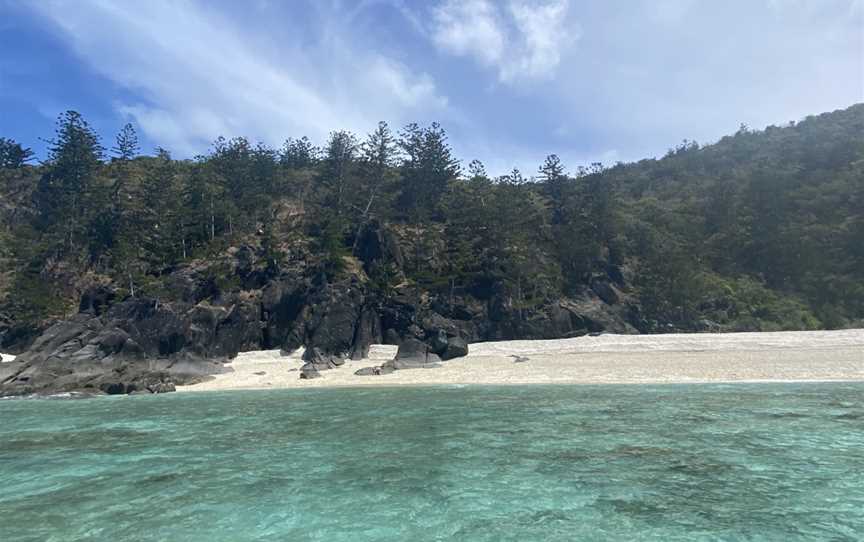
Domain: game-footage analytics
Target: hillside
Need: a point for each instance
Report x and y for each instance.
(149, 258)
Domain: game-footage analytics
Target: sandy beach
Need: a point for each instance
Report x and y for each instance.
(673, 358)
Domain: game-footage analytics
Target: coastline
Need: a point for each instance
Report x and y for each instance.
(796, 356)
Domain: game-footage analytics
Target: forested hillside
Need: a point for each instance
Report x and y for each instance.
(763, 230)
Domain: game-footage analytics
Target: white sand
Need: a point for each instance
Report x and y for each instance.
(6, 358)
(725, 357)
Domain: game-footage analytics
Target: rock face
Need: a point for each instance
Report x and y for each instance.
(117, 344)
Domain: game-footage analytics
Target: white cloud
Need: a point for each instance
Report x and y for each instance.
(545, 35)
(200, 75)
(470, 28)
(525, 41)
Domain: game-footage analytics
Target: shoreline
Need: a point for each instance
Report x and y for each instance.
(729, 358)
(194, 388)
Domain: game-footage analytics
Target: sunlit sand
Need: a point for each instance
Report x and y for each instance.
(605, 359)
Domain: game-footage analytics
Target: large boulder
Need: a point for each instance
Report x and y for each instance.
(320, 360)
(413, 354)
(415, 350)
(309, 371)
(438, 342)
(457, 347)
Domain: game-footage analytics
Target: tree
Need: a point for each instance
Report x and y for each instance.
(476, 169)
(126, 146)
(74, 159)
(163, 210)
(378, 161)
(427, 169)
(337, 170)
(298, 153)
(13, 155)
(554, 179)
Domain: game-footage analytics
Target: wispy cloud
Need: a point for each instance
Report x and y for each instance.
(521, 40)
(200, 75)
(512, 80)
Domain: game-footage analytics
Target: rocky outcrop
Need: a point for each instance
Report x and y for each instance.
(134, 345)
(146, 345)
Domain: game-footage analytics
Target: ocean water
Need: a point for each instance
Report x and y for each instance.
(677, 462)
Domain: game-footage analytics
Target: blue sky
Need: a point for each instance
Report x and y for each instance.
(510, 80)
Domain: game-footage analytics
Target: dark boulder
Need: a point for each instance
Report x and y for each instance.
(413, 354)
(309, 371)
(457, 347)
(438, 342)
(414, 350)
(321, 361)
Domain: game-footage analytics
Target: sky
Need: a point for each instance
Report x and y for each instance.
(510, 80)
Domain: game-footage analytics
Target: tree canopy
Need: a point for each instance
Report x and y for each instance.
(761, 230)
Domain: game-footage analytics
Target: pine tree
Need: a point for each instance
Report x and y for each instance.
(74, 159)
(126, 145)
(427, 169)
(299, 153)
(555, 181)
(336, 178)
(13, 155)
(379, 153)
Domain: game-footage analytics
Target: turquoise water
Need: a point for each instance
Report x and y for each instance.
(703, 462)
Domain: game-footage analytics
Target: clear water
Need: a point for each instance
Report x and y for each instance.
(707, 462)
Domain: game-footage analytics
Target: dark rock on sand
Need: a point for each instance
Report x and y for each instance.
(308, 372)
(414, 351)
(457, 347)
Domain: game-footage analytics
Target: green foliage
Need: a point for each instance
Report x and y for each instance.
(762, 230)
(426, 170)
(13, 155)
(126, 147)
